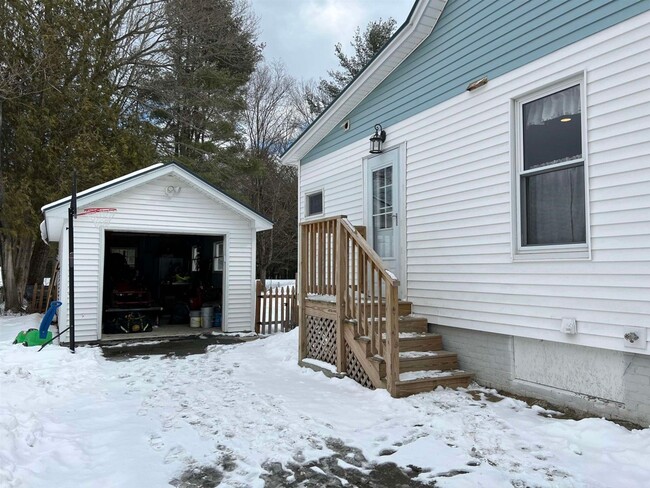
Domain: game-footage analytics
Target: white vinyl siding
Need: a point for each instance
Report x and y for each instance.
(460, 267)
(339, 176)
(146, 208)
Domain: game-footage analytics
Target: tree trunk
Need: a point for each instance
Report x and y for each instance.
(262, 277)
(16, 254)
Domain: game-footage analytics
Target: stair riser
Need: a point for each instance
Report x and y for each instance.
(425, 364)
(428, 364)
(413, 326)
(433, 343)
(432, 384)
(403, 309)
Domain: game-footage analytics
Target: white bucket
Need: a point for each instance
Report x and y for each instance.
(207, 314)
(195, 319)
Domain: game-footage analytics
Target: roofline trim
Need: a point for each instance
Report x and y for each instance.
(368, 79)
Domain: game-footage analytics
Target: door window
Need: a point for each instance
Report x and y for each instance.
(382, 211)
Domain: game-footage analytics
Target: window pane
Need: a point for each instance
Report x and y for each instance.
(554, 207)
(378, 178)
(315, 203)
(552, 129)
(383, 239)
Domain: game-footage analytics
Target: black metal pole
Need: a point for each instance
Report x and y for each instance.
(72, 214)
(53, 338)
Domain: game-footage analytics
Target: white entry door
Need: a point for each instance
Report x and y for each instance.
(382, 206)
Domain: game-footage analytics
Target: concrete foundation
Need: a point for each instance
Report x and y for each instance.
(492, 358)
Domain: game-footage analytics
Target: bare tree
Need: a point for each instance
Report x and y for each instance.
(270, 123)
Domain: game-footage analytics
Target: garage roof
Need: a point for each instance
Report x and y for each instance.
(136, 178)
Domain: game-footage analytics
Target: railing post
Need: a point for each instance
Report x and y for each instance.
(392, 340)
(302, 294)
(258, 304)
(341, 291)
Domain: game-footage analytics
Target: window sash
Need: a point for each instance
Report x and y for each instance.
(554, 117)
(567, 223)
(309, 204)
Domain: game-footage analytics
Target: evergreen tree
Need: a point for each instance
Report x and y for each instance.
(197, 97)
(365, 46)
(58, 93)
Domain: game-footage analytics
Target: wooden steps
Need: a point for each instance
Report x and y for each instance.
(454, 379)
(423, 365)
(350, 301)
(431, 360)
(420, 342)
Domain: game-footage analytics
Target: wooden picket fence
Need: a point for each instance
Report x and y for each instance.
(276, 310)
(42, 295)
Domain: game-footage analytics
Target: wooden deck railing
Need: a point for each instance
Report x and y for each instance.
(337, 260)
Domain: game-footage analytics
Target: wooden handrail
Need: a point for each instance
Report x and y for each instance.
(367, 249)
(335, 259)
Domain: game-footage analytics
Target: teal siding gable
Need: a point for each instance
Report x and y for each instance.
(475, 38)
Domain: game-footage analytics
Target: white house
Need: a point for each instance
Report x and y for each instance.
(158, 240)
(512, 194)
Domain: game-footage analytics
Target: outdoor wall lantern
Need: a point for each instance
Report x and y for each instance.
(377, 139)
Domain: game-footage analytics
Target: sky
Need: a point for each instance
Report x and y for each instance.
(302, 33)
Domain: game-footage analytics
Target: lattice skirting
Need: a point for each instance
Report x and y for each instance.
(321, 339)
(355, 370)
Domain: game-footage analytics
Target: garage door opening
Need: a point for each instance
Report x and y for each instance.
(162, 284)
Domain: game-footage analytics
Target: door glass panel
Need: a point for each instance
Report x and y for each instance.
(382, 211)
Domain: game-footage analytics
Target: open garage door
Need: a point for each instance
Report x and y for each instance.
(163, 284)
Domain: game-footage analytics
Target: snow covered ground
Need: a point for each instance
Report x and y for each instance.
(243, 414)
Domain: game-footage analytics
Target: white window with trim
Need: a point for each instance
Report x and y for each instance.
(217, 253)
(314, 203)
(129, 253)
(196, 258)
(550, 173)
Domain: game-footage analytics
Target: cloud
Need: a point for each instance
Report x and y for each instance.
(333, 19)
(302, 33)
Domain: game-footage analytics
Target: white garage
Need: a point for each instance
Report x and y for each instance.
(153, 248)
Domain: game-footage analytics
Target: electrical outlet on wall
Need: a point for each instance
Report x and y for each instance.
(635, 337)
(569, 325)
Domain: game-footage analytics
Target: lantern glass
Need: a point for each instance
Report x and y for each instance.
(375, 145)
(377, 139)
